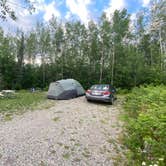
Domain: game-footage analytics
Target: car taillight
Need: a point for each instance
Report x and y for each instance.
(88, 91)
(106, 93)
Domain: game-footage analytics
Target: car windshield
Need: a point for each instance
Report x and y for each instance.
(100, 87)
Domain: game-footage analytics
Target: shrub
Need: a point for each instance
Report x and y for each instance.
(145, 125)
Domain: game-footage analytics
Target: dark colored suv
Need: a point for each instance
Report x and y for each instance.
(101, 92)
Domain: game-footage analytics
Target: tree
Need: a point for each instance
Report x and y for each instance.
(7, 63)
(43, 39)
(158, 27)
(105, 51)
(20, 59)
(104, 43)
(120, 30)
(31, 47)
(7, 11)
(58, 45)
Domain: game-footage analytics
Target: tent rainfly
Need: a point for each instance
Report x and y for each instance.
(65, 89)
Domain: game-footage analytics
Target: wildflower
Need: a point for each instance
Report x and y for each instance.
(144, 151)
(143, 163)
(161, 159)
(155, 165)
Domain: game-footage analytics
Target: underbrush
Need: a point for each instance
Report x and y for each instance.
(22, 102)
(145, 126)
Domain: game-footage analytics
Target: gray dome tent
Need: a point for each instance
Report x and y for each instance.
(65, 89)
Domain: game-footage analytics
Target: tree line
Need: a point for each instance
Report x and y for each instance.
(120, 51)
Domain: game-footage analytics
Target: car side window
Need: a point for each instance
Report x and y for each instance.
(106, 87)
(113, 89)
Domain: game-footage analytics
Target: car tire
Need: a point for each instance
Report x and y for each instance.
(112, 101)
(88, 100)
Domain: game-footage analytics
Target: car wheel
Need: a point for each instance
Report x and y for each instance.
(88, 100)
(112, 101)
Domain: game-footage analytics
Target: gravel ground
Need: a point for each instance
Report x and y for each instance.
(71, 133)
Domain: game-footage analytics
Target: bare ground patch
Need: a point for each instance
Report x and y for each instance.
(73, 132)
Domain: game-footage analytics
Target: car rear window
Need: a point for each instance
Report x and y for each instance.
(100, 87)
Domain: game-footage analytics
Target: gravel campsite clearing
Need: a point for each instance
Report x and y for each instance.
(71, 133)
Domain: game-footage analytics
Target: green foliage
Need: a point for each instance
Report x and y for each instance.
(7, 63)
(102, 52)
(145, 125)
(123, 91)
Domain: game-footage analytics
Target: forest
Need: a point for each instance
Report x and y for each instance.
(123, 51)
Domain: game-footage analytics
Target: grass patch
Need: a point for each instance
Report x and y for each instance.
(24, 101)
(111, 141)
(42, 163)
(103, 149)
(53, 152)
(77, 160)
(94, 116)
(117, 160)
(60, 144)
(81, 121)
(104, 121)
(77, 144)
(66, 147)
(66, 156)
(72, 139)
(56, 119)
(86, 153)
(8, 117)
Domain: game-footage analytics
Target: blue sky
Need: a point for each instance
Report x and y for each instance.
(83, 10)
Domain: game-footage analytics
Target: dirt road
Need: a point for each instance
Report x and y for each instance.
(71, 133)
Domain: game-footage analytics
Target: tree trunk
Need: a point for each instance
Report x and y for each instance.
(161, 49)
(62, 71)
(101, 68)
(112, 65)
(43, 71)
(20, 57)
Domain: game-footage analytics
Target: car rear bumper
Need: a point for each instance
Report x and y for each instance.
(98, 98)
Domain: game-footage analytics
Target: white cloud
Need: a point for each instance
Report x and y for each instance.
(145, 3)
(25, 20)
(38, 5)
(79, 8)
(50, 10)
(113, 5)
(68, 15)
